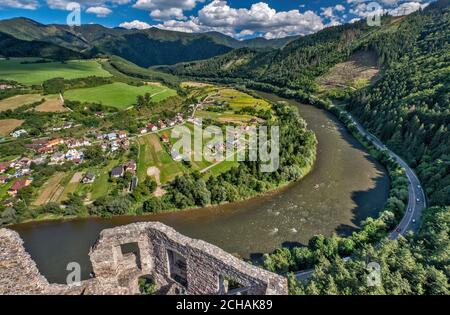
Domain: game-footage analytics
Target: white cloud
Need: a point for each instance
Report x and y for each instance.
(62, 4)
(339, 7)
(166, 9)
(20, 4)
(167, 14)
(136, 24)
(259, 18)
(99, 11)
(407, 8)
(328, 12)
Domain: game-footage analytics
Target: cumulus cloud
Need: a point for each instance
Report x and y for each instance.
(62, 4)
(136, 24)
(20, 4)
(166, 9)
(407, 8)
(99, 11)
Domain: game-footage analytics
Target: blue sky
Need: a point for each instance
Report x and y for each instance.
(237, 18)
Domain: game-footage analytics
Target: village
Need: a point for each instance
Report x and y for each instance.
(154, 141)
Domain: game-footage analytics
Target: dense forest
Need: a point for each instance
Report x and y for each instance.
(409, 107)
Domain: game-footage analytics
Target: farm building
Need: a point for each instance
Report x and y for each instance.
(18, 185)
(89, 178)
(117, 172)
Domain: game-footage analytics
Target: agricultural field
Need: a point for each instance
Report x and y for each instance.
(52, 104)
(51, 190)
(238, 100)
(36, 73)
(18, 101)
(153, 154)
(119, 95)
(8, 125)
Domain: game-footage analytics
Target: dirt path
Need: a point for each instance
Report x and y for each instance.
(155, 172)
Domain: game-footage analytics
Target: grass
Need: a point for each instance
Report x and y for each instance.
(238, 100)
(19, 100)
(52, 104)
(8, 125)
(118, 94)
(37, 73)
(152, 153)
(101, 185)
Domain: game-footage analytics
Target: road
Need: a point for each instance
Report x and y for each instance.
(416, 197)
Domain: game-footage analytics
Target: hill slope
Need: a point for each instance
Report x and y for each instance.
(143, 47)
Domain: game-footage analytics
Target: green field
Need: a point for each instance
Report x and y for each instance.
(152, 153)
(119, 95)
(37, 73)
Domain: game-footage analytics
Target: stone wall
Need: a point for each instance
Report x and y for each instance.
(176, 263)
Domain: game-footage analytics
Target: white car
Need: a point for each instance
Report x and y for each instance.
(409, 210)
(418, 200)
(414, 221)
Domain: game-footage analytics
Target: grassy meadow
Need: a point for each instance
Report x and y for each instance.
(119, 95)
(36, 73)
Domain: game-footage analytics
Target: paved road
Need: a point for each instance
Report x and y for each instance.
(416, 198)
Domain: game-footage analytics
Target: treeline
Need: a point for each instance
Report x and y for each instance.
(409, 107)
(59, 85)
(417, 264)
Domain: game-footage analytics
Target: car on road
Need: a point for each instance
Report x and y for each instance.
(418, 186)
(398, 230)
(418, 200)
(414, 221)
(409, 210)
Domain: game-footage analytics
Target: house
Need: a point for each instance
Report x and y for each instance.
(117, 171)
(57, 158)
(143, 131)
(111, 136)
(74, 154)
(122, 134)
(4, 166)
(89, 178)
(23, 163)
(130, 166)
(18, 185)
(3, 179)
(18, 133)
(171, 123)
(152, 127)
(165, 139)
(5, 86)
(8, 203)
(161, 125)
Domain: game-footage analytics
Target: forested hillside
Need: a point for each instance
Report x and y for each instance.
(145, 48)
(409, 108)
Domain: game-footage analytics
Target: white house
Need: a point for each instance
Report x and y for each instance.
(18, 133)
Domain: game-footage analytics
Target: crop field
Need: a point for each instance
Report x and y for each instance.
(52, 104)
(8, 125)
(119, 95)
(237, 100)
(51, 190)
(18, 101)
(36, 73)
(153, 154)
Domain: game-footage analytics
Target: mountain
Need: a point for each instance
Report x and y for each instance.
(13, 47)
(143, 47)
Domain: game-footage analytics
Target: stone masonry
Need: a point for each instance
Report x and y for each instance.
(176, 264)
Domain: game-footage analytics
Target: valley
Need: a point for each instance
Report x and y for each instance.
(105, 126)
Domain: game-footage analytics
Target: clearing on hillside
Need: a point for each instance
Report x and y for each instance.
(8, 125)
(119, 95)
(52, 104)
(361, 69)
(18, 101)
(35, 73)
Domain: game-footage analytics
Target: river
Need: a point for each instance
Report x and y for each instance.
(345, 187)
